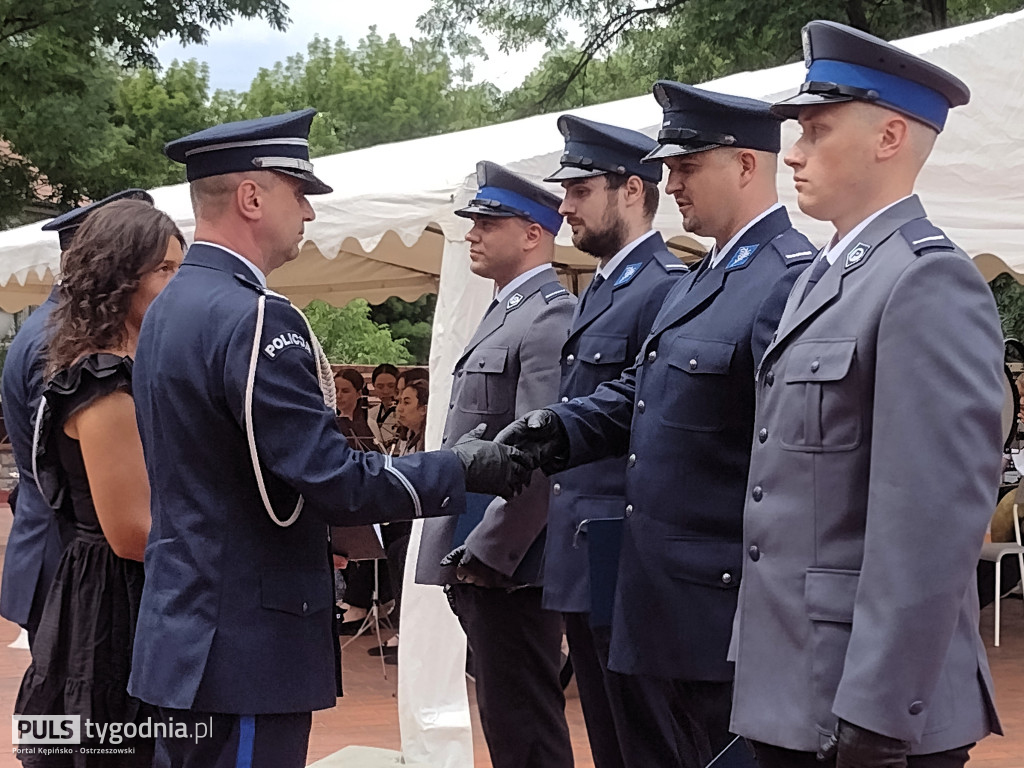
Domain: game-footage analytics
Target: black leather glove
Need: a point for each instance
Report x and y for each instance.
(542, 437)
(490, 467)
(854, 747)
(470, 570)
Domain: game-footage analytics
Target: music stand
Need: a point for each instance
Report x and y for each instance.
(360, 543)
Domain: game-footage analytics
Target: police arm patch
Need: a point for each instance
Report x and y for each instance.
(275, 346)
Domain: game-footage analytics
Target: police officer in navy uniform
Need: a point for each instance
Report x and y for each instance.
(35, 543)
(611, 198)
(247, 467)
(684, 417)
(509, 368)
(848, 638)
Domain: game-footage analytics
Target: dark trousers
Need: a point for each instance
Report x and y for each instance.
(649, 722)
(203, 740)
(769, 756)
(517, 657)
(588, 651)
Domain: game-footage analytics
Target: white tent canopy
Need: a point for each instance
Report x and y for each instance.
(388, 229)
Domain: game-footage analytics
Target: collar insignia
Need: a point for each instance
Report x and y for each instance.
(627, 274)
(742, 256)
(514, 300)
(856, 254)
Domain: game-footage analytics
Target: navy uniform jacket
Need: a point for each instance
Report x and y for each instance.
(690, 404)
(236, 614)
(603, 341)
(34, 546)
(872, 479)
(509, 367)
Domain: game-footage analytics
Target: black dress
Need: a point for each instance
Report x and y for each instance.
(82, 654)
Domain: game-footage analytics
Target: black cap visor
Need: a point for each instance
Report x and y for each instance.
(822, 93)
(311, 184)
(567, 172)
(676, 150)
(479, 207)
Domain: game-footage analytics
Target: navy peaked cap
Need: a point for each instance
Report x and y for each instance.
(845, 64)
(595, 149)
(695, 120)
(67, 224)
(504, 194)
(277, 143)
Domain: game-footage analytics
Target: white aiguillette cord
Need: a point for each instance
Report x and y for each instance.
(326, 378)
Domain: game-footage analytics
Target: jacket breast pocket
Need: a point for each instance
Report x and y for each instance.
(487, 389)
(695, 386)
(829, 596)
(603, 349)
(300, 593)
(822, 388)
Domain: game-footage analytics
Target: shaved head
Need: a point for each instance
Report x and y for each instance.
(211, 195)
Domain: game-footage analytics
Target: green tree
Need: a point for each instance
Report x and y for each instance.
(380, 91)
(121, 119)
(60, 62)
(130, 27)
(1009, 296)
(409, 320)
(689, 40)
(349, 336)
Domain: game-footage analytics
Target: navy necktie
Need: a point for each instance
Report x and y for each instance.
(820, 266)
(591, 290)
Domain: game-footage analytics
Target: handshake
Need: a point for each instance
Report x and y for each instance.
(503, 467)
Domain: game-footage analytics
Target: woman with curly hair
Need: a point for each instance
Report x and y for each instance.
(90, 468)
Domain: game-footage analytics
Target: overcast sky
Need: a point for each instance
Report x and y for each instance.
(236, 53)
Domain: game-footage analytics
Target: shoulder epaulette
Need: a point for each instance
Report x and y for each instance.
(551, 291)
(793, 247)
(671, 263)
(924, 237)
(248, 282)
(275, 295)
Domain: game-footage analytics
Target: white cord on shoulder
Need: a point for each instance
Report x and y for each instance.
(325, 376)
(250, 433)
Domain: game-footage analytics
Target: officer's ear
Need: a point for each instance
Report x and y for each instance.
(747, 160)
(633, 191)
(533, 234)
(250, 199)
(893, 135)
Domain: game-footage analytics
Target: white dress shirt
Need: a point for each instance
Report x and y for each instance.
(833, 252)
(608, 269)
(515, 282)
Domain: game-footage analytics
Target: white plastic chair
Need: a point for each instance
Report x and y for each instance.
(994, 552)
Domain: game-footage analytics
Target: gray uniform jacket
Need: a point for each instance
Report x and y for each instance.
(873, 475)
(510, 367)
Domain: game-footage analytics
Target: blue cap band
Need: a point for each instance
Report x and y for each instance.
(905, 95)
(550, 219)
